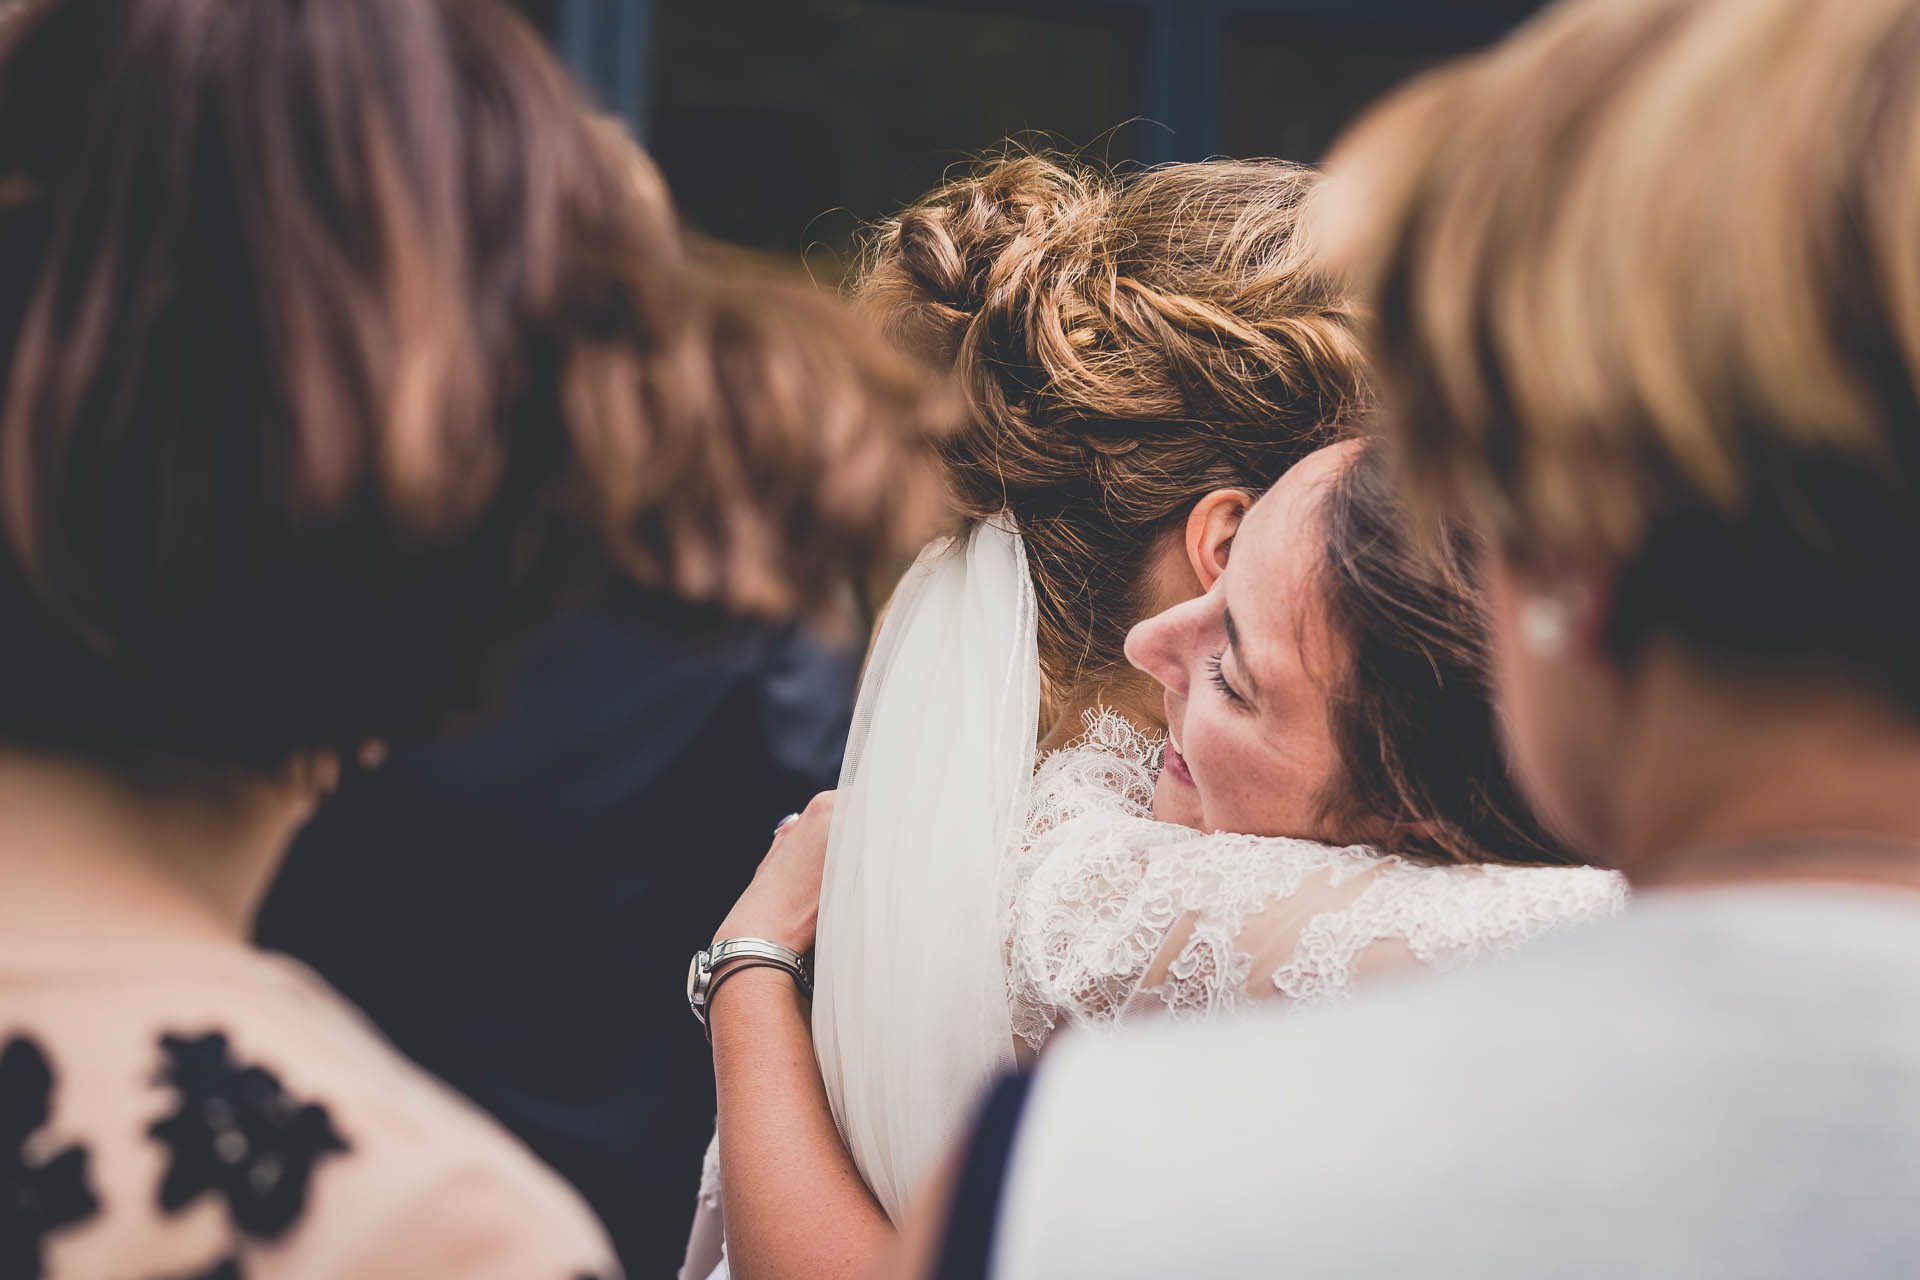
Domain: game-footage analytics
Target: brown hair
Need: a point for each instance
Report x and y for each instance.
(1646, 289)
(338, 340)
(1421, 769)
(1127, 344)
(805, 457)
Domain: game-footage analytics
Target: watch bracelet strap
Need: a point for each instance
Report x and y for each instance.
(728, 950)
(741, 966)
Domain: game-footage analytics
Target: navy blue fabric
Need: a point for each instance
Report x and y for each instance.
(966, 1251)
(515, 907)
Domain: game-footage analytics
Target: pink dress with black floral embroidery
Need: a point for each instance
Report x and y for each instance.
(208, 1112)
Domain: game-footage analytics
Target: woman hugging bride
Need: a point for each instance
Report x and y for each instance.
(1144, 358)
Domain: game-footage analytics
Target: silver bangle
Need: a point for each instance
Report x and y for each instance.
(740, 948)
(712, 965)
(713, 989)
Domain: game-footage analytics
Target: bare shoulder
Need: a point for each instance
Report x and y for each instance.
(200, 1111)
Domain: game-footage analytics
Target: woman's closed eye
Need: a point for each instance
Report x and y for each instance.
(1217, 672)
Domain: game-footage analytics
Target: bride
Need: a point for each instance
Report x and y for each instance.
(940, 960)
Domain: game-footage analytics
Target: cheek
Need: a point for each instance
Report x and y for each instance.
(1258, 778)
(1178, 804)
(1241, 787)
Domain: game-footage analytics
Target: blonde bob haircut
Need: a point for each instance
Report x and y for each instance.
(1643, 288)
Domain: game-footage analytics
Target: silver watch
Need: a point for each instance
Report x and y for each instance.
(713, 963)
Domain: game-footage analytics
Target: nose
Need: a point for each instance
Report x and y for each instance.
(1162, 646)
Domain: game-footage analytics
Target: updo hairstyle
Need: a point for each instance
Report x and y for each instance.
(1127, 343)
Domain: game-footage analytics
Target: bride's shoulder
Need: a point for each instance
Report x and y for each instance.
(1493, 882)
(1107, 736)
(1111, 765)
(1548, 893)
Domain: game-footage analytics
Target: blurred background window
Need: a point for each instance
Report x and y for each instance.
(1293, 75)
(786, 124)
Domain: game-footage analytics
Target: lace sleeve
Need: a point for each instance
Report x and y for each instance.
(1111, 913)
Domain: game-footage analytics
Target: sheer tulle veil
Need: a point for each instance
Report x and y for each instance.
(910, 1014)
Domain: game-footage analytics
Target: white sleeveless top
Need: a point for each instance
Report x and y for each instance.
(1716, 1084)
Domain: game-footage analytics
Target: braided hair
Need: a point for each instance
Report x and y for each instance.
(1127, 343)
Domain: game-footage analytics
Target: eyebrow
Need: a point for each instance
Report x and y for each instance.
(1240, 657)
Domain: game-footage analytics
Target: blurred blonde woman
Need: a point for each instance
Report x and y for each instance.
(1646, 288)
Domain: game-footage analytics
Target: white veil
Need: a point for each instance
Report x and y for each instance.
(910, 1013)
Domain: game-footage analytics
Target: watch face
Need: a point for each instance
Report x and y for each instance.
(693, 973)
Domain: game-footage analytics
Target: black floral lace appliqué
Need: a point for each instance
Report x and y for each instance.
(37, 1197)
(237, 1134)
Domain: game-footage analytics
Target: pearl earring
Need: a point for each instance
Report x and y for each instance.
(1546, 621)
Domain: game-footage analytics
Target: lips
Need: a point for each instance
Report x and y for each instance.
(1176, 764)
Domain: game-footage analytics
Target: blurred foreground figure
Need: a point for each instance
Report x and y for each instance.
(1645, 284)
(490, 900)
(343, 350)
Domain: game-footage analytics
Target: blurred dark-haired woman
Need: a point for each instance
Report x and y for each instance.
(341, 344)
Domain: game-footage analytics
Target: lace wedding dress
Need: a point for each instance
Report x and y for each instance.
(1110, 915)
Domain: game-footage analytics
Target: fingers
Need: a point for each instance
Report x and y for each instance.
(817, 818)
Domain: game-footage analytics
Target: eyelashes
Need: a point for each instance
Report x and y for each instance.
(1219, 678)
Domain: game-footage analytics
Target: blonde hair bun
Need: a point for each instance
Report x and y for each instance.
(1127, 342)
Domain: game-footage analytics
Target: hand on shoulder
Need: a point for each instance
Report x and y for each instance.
(782, 904)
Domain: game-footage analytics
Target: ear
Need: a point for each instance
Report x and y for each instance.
(1211, 527)
(1550, 611)
(1591, 590)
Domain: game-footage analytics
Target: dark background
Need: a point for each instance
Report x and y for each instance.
(786, 124)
